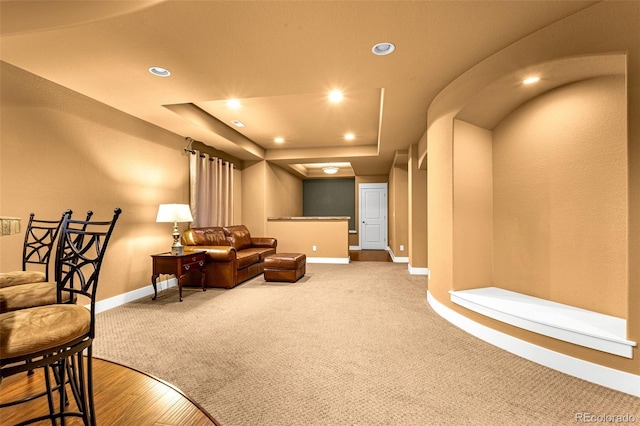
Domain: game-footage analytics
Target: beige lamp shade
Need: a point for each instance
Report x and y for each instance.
(174, 213)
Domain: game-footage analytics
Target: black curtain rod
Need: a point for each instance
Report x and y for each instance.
(194, 153)
(188, 149)
(203, 156)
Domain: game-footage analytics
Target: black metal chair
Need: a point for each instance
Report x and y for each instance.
(57, 337)
(26, 288)
(39, 238)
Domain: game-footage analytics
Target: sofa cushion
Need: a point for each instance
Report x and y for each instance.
(247, 258)
(214, 253)
(262, 252)
(238, 236)
(213, 236)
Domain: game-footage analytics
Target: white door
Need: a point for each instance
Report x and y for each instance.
(373, 216)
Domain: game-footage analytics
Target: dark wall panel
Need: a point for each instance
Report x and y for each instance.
(330, 197)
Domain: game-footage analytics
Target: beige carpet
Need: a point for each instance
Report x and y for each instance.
(351, 344)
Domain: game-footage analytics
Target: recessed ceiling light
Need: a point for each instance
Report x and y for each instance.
(160, 72)
(349, 136)
(237, 123)
(330, 170)
(335, 96)
(531, 80)
(384, 48)
(233, 103)
(278, 140)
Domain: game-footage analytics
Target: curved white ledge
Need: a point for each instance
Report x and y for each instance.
(595, 373)
(563, 322)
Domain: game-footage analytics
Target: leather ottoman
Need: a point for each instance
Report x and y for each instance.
(285, 267)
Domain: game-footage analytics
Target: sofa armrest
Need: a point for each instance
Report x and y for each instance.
(215, 253)
(264, 242)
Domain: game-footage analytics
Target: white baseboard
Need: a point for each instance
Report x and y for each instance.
(397, 259)
(419, 271)
(356, 248)
(121, 299)
(595, 373)
(339, 260)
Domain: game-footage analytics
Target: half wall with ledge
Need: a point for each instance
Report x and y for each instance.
(323, 239)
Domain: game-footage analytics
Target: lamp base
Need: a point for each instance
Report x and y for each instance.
(177, 249)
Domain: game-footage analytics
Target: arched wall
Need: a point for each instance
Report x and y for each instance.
(560, 197)
(571, 37)
(472, 206)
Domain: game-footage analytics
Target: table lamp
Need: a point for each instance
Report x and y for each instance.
(175, 213)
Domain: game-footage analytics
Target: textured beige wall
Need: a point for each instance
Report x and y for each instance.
(440, 207)
(268, 191)
(560, 197)
(62, 150)
(254, 196)
(568, 38)
(472, 206)
(391, 226)
(353, 239)
(398, 211)
(237, 196)
(418, 246)
(633, 150)
(284, 193)
(299, 236)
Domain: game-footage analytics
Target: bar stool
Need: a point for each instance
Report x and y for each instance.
(54, 337)
(27, 288)
(39, 238)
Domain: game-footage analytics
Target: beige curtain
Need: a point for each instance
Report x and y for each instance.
(211, 190)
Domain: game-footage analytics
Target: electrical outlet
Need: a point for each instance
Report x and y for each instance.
(314, 248)
(401, 248)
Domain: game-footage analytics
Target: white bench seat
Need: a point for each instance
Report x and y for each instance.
(579, 326)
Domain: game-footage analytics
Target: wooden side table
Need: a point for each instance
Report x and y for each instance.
(167, 263)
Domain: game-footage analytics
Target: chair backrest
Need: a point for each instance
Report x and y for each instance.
(79, 256)
(38, 241)
(82, 225)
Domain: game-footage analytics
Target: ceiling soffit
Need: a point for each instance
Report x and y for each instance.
(276, 56)
(324, 136)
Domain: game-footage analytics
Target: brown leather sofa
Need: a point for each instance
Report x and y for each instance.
(233, 255)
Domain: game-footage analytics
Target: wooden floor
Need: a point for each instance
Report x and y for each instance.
(370, 255)
(123, 396)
